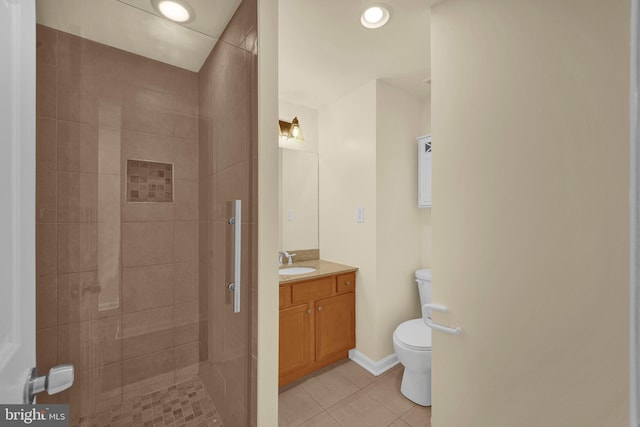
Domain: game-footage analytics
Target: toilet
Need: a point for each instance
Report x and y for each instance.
(412, 344)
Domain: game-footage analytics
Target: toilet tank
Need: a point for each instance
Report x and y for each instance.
(423, 279)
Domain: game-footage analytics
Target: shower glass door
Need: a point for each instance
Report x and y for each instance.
(145, 134)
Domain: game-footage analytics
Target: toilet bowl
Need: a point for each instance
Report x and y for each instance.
(412, 344)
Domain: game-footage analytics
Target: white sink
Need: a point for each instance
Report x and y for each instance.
(296, 270)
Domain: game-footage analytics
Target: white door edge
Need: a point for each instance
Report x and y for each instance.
(17, 195)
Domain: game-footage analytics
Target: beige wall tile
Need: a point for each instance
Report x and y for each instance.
(139, 96)
(186, 126)
(229, 137)
(145, 72)
(46, 142)
(109, 156)
(77, 147)
(141, 146)
(141, 322)
(186, 323)
(186, 200)
(90, 344)
(104, 385)
(77, 247)
(144, 212)
(46, 45)
(46, 249)
(186, 158)
(187, 104)
(186, 240)
(147, 287)
(46, 195)
(75, 102)
(145, 332)
(186, 355)
(77, 197)
(147, 367)
(186, 282)
(147, 243)
(46, 349)
(110, 114)
(229, 184)
(46, 90)
(139, 118)
(150, 342)
(78, 297)
(46, 302)
(109, 199)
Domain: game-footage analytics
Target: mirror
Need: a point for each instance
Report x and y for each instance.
(298, 179)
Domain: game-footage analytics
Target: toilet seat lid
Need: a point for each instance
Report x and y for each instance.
(414, 334)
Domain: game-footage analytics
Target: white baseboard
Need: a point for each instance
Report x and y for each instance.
(376, 368)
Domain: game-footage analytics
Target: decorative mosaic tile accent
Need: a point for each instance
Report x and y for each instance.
(185, 404)
(149, 181)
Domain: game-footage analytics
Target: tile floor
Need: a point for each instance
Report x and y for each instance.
(347, 395)
(186, 404)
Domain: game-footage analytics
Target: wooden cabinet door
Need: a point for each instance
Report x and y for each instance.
(335, 327)
(296, 345)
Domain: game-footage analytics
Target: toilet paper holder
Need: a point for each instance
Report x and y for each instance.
(436, 326)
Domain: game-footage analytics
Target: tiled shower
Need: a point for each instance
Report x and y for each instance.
(137, 164)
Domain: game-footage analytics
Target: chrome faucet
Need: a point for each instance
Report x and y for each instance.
(282, 255)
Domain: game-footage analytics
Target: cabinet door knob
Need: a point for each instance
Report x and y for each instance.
(319, 308)
(348, 283)
(309, 311)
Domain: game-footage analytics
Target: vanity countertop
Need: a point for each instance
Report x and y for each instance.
(323, 268)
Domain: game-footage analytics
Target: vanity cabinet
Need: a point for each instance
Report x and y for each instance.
(317, 324)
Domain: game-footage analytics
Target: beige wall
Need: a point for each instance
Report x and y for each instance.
(398, 240)
(298, 199)
(530, 219)
(347, 181)
(298, 180)
(370, 160)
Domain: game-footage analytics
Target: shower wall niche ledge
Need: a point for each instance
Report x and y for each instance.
(149, 181)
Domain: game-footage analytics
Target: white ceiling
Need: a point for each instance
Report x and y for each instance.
(134, 26)
(324, 51)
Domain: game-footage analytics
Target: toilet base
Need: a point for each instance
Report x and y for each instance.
(416, 386)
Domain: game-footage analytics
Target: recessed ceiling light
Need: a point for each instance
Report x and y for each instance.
(175, 10)
(375, 16)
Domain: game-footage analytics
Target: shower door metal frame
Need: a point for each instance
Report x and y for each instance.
(634, 220)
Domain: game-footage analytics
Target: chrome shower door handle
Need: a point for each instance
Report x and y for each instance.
(236, 221)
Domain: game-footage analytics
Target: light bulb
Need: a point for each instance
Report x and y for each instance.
(373, 15)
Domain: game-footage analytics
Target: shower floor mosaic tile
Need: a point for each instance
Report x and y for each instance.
(186, 404)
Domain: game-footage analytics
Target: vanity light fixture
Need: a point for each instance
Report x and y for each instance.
(175, 10)
(291, 131)
(375, 16)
